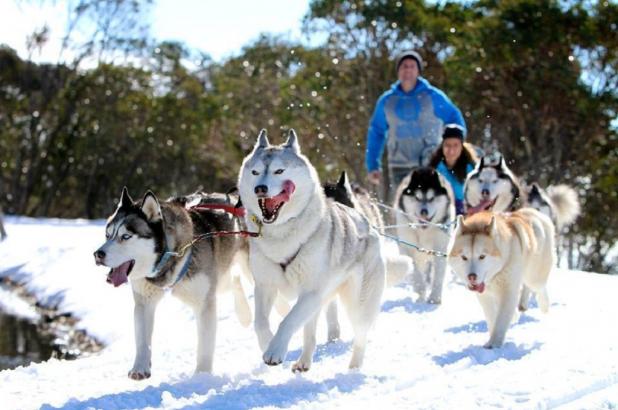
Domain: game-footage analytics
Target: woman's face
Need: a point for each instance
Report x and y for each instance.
(451, 149)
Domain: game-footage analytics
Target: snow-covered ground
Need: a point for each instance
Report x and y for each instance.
(418, 356)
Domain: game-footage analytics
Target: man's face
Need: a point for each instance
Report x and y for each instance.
(408, 71)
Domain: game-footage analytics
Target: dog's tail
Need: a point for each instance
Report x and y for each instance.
(566, 204)
(397, 268)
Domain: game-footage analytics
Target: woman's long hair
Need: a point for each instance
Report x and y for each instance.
(468, 156)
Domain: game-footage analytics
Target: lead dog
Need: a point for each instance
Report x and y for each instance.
(310, 249)
(158, 247)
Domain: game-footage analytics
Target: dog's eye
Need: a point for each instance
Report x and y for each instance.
(481, 257)
(279, 171)
(125, 237)
(464, 257)
(254, 172)
(494, 181)
(480, 181)
(430, 199)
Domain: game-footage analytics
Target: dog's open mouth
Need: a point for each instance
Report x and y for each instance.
(119, 275)
(270, 206)
(485, 205)
(477, 287)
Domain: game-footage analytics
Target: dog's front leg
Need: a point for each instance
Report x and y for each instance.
(206, 315)
(143, 317)
(264, 297)
(307, 306)
(306, 358)
(507, 304)
(438, 280)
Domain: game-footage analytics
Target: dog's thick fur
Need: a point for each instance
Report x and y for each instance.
(495, 254)
(357, 197)
(559, 202)
(425, 198)
(492, 186)
(138, 235)
(310, 249)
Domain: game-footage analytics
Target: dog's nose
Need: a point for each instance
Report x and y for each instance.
(485, 192)
(424, 212)
(261, 190)
(472, 277)
(99, 255)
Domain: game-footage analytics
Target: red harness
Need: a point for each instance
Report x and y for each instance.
(230, 209)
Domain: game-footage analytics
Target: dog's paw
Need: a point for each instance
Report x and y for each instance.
(301, 366)
(492, 345)
(275, 354)
(139, 374)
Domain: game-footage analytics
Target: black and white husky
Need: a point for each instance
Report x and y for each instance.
(426, 210)
(159, 246)
(492, 186)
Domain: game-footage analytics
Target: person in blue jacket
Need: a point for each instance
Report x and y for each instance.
(411, 116)
(454, 159)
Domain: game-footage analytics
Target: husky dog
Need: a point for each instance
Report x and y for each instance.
(356, 197)
(425, 199)
(492, 186)
(309, 248)
(158, 246)
(495, 254)
(559, 202)
(2, 231)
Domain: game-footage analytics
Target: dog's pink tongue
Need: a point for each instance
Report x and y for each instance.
(118, 275)
(284, 196)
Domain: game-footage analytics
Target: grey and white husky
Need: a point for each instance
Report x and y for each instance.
(425, 200)
(158, 246)
(492, 186)
(310, 249)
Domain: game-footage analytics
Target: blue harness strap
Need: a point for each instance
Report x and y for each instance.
(166, 257)
(184, 270)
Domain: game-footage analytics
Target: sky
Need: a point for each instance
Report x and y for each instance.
(219, 28)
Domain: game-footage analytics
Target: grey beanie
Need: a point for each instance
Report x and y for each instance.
(409, 54)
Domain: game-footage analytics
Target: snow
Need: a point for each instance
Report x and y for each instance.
(418, 356)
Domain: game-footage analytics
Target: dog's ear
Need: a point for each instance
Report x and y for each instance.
(501, 163)
(262, 141)
(125, 199)
(482, 163)
(151, 208)
(292, 141)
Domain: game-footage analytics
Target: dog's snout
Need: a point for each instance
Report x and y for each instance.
(485, 192)
(99, 255)
(261, 190)
(472, 277)
(424, 212)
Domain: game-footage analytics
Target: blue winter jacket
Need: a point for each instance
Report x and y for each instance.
(413, 124)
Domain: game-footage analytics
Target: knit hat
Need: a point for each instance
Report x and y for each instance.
(453, 131)
(409, 54)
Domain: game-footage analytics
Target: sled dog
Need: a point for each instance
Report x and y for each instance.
(425, 202)
(159, 246)
(492, 186)
(494, 254)
(310, 248)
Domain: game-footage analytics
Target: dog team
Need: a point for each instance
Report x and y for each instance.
(297, 240)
